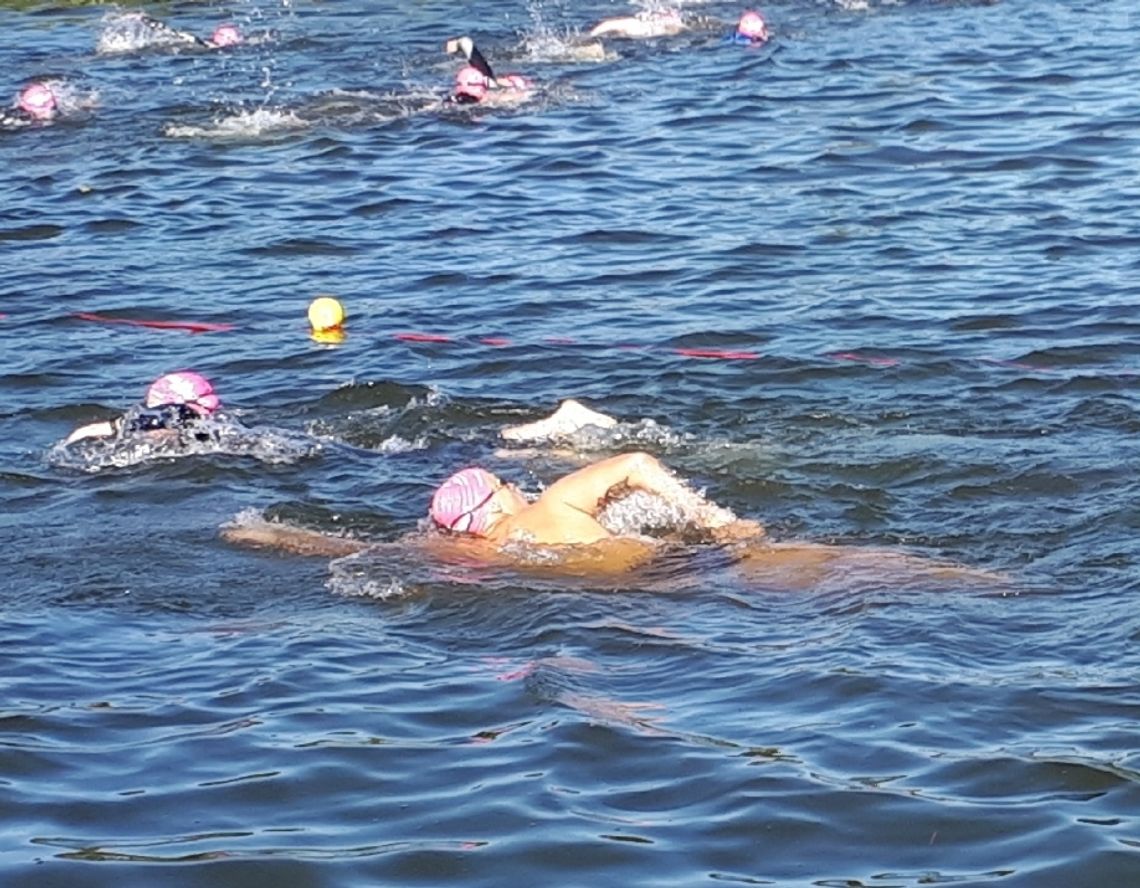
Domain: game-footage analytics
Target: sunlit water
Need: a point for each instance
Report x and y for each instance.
(872, 284)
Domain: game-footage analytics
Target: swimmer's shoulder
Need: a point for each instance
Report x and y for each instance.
(550, 520)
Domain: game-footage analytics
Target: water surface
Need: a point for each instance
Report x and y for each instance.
(905, 233)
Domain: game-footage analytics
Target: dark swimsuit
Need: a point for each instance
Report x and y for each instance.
(14, 118)
(171, 35)
(480, 63)
(172, 417)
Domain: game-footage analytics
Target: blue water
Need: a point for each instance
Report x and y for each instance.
(906, 235)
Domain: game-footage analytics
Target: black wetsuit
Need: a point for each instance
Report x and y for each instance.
(15, 118)
(166, 34)
(169, 417)
(479, 62)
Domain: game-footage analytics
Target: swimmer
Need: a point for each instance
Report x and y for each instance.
(751, 30)
(475, 502)
(174, 403)
(476, 82)
(478, 515)
(642, 26)
(147, 31)
(35, 104)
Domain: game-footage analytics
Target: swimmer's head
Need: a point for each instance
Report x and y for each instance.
(226, 34)
(38, 100)
(470, 84)
(184, 387)
(752, 27)
(463, 502)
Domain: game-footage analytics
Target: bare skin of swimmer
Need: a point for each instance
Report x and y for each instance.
(94, 430)
(664, 23)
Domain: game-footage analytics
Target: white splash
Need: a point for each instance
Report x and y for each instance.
(356, 576)
(218, 436)
(239, 125)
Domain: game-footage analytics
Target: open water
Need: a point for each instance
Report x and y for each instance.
(904, 236)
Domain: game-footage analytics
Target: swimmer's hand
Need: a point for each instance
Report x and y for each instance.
(738, 530)
(711, 516)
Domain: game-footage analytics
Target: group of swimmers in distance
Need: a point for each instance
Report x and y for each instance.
(38, 102)
(573, 526)
(476, 82)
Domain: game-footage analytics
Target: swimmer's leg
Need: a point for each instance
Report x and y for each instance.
(571, 416)
(260, 533)
(798, 565)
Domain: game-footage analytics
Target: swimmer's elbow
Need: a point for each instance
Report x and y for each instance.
(639, 461)
(642, 470)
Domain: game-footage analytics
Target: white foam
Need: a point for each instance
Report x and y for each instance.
(125, 32)
(239, 125)
(218, 436)
(362, 576)
(643, 433)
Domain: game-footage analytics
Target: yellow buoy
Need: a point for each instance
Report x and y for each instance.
(328, 337)
(325, 313)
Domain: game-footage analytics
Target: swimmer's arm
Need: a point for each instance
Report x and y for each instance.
(613, 26)
(94, 430)
(162, 27)
(587, 489)
(267, 534)
(480, 63)
(471, 52)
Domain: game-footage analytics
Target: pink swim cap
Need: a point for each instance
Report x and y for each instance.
(752, 26)
(226, 35)
(461, 501)
(470, 82)
(38, 100)
(186, 388)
